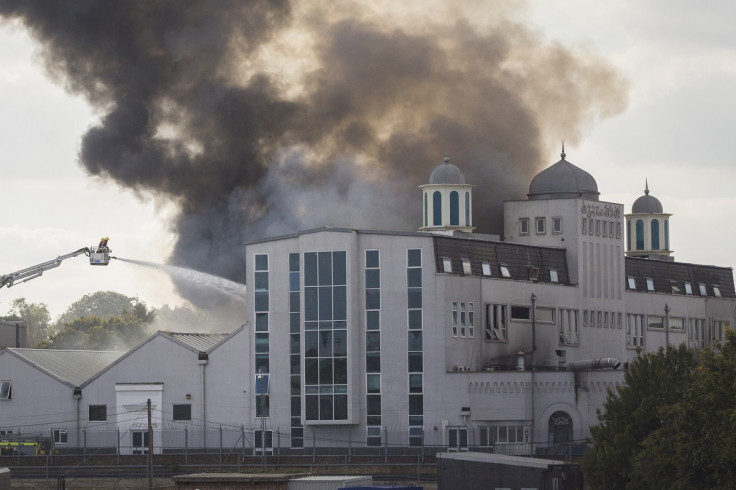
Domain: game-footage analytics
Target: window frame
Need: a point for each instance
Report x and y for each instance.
(60, 436)
(6, 393)
(97, 410)
(467, 269)
(523, 226)
(505, 271)
(540, 225)
(447, 265)
(556, 225)
(176, 414)
(553, 276)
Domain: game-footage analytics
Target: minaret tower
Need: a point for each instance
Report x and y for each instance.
(447, 201)
(648, 229)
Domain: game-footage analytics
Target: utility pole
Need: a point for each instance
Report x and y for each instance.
(150, 448)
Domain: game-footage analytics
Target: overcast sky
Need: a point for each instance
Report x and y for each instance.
(676, 131)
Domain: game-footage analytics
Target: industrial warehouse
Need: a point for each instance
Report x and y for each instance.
(439, 339)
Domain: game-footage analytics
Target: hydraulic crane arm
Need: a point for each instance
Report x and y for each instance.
(97, 256)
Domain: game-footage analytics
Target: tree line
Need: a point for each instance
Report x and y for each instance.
(670, 425)
(104, 320)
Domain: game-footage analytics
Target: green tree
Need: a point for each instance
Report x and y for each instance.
(694, 447)
(103, 304)
(36, 318)
(96, 333)
(631, 413)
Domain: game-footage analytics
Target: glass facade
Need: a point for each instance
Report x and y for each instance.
(415, 358)
(325, 336)
(261, 341)
(373, 346)
(297, 428)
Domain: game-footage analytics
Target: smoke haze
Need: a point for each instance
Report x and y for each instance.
(265, 117)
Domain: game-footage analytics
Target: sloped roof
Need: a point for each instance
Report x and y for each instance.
(202, 342)
(518, 258)
(73, 367)
(666, 274)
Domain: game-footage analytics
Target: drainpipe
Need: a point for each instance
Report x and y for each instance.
(203, 358)
(77, 397)
(667, 325)
(533, 366)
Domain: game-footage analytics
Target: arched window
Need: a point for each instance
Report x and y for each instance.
(560, 428)
(426, 211)
(639, 234)
(437, 208)
(454, 209)
(628, 235)
(655, 234)
(467, 209)
(666, 235)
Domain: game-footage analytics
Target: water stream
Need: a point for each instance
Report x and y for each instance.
(226, 286)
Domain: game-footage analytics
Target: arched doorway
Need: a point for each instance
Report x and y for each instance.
(559, 428)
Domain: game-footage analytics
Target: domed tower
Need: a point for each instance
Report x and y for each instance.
(648, 229)
(563, 180)
(447, 200)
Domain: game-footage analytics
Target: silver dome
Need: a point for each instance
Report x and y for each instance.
(446, 173)
(647, 204)
(563, 180)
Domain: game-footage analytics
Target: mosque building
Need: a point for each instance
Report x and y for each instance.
(445, 337)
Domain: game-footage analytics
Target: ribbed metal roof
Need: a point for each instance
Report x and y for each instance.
(71, 366)
(202, 342)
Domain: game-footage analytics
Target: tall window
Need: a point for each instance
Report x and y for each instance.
(496, 323)
(639, 234)
(541, 225)
(437, 208)
(696, 334)
(454, 208)
(655, 234)
(560, 428)
(297, 427)
(569, 327)
(635, 331)
(261, 340)
(467, 209)
(426, 211)
(524, 226)
(373, 346)
(325, 336)
(415, 353)
(628, 235)
(666, 235)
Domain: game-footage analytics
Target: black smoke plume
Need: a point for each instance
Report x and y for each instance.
(264, 117)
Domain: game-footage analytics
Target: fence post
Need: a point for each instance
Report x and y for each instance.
(242, 439)
(314, 449)
(220, 443)
(19, 447)
(186, 444)
(350, 445)
(278, 444)
(52, 447)
(84, 437)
